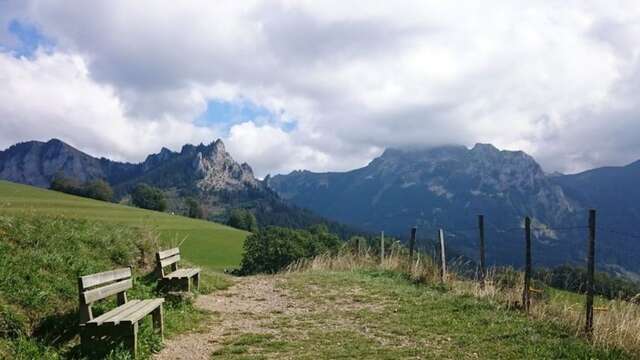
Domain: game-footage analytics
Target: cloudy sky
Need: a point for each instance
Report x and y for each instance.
(324, 85)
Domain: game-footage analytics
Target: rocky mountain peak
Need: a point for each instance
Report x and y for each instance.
(485, 148)
(217, 170)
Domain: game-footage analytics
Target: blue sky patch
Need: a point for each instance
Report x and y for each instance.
(225, 114)
(29, 39)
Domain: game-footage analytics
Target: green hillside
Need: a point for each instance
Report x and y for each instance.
(204, 243)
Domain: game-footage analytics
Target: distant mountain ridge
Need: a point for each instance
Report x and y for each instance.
(210, 167)
(449, 186)
(444, 186)
(37, 163)
(205, 172)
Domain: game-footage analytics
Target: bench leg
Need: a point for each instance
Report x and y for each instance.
(132, 339)
(188, 283)
(196, 281)
(85, 340)
(158, 321)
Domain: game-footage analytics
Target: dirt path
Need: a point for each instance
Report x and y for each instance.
(237, 309)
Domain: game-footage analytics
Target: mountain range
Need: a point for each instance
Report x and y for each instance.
(441, 187)
(207, 173)
(448, 187)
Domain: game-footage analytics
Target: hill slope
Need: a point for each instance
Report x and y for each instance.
(204, 243)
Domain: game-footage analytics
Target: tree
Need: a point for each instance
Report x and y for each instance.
(194, 210)
(251, 224)
(99, 190)
(272, 249)
(66, 185)
(243, 219)
(96, 189)
(147, 197)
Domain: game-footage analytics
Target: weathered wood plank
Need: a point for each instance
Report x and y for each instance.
(147, 308)
(117, 319)
(170, 260)
(182, 273)
(113, 313)
(176, 274)
(94, 295)
(168, 253)
(92, 280)
(158, 321)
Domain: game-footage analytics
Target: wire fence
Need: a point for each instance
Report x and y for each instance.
(486, 232)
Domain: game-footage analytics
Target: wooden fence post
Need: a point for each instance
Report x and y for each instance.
(482, 263)
(412, 243)
(382, 248)
(590, 272)
(443, 257)
(526, 300)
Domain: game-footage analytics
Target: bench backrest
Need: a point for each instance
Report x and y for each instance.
(95, 287)
(167, 258)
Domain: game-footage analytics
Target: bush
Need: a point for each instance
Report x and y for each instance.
(147, 197)
(243, 219)
(99, 190)
(271, 249)
(194, 210)
(94, 189)
(66, 185)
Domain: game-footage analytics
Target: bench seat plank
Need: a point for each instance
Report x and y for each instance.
(182, 273)
(142, 311)
(113, 312)
(131, 313)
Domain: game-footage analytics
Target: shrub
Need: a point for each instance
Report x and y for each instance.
(271, 249)
(243, 219)
(194, 210)
(147, 197)
(99, 190)
(66, 185)
(94, 189)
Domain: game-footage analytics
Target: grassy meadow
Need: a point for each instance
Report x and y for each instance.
(204, 243)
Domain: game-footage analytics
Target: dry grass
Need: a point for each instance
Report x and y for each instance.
(618, 326)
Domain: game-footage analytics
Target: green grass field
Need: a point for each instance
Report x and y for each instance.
(204, 243)
(382, 315)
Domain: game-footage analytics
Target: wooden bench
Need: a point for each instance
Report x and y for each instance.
(169, 258)
(120, 323)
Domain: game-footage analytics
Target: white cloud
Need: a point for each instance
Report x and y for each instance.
(546, 77)
(52, 95)
(265, 146)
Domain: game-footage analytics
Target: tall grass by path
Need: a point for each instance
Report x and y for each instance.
(616, 328)
(204, 243)
(375, 313)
